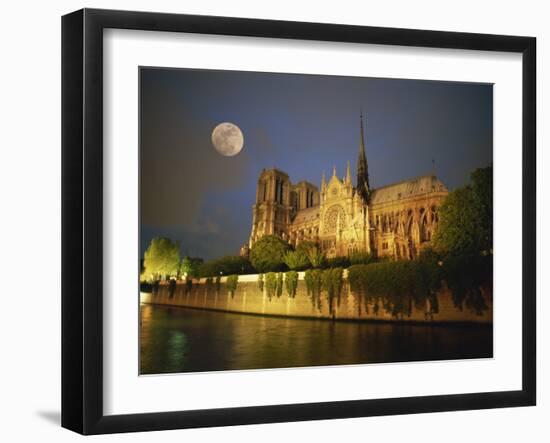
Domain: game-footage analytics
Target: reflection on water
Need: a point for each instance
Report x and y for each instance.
(175, 339)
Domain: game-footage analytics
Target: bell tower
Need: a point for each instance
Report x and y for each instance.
(272, 210)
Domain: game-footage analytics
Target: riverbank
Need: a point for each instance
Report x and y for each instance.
(250, 298)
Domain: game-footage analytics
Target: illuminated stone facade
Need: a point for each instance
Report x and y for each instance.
(397, 220)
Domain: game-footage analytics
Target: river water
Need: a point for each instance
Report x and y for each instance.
(175, 339)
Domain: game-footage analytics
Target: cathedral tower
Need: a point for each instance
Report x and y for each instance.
(363, 187)
(272, 210)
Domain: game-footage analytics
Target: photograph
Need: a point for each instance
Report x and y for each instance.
(292, 220)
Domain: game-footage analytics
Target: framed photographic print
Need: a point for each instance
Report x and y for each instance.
(269, 221)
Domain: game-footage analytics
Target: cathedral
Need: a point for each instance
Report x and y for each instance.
(394, 221)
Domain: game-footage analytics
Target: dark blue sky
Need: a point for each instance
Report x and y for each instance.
(302, 124)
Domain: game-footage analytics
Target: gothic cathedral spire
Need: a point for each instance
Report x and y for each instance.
(363, 186)
(348, 175)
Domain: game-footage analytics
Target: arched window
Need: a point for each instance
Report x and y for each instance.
(435, 215)
(424, 232)
(408, 225)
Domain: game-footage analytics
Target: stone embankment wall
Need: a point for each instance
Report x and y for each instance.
(248, 298)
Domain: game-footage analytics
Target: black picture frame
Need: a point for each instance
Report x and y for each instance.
(82, 218)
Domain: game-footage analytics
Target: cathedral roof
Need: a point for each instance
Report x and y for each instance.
(407, 189)
(306, 215)
(306, 183)
(273, 170)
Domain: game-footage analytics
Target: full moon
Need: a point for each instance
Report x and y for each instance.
(228, 139)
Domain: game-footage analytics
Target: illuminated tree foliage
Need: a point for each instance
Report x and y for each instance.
(313, 280)
(279, 290)
(296, 260)
(466, 217)
(316, 257)
(361, 258)
(185, 267)
(271, 282)
(268, 254)
(333, 283)
(305, 246)
(231, 284)
(397, 286)
(189, 267)
(161, 259)
(291, 283)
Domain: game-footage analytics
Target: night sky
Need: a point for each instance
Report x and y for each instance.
(301, 124)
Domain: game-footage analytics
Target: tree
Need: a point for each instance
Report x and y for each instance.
(268, 254)
(316, 257)
(305, 246)
(482, 185)
(230, 264)
(466, 217)
(161, 259)
(185, 267)
(361, 258)
(296, 260)
(189, 266)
